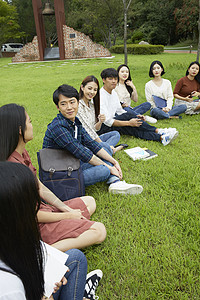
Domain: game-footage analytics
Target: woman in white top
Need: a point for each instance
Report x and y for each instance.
(159, 89)
(90, 117)
(126, 91)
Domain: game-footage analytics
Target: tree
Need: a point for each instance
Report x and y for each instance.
(101, 20)
(9, 28)
(186, 18)
(25, 18)
(126, 7)
(156, 20)
(198, 50)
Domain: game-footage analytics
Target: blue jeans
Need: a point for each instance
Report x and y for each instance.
(140, 109)
(93, 174)
(111, 138)
(76, 277)
(145, 131)
(159, 114)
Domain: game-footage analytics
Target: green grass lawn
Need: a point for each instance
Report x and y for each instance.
(152, 245)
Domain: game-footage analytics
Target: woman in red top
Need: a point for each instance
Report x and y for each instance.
(64, 225)
(187, 88)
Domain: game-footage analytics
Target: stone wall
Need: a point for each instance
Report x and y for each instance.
(79, 45)
(30, 52)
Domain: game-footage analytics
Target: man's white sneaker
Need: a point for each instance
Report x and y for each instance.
(150, 119)
(169, 137)
(121, 187)
(162, 131)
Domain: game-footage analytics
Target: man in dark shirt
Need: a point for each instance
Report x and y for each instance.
(66, 132)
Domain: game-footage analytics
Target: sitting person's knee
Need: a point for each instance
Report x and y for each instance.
(100, 232)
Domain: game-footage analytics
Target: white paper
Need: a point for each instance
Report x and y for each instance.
(54, 269)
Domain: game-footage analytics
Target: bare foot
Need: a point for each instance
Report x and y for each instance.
(117, 149)
(174, 117)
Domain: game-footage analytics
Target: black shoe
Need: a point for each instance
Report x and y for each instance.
(123, 145)
(92, 282)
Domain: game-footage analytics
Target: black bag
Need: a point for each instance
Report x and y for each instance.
(60, 171)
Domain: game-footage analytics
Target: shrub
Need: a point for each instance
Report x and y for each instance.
(137, 36)
(138, 49)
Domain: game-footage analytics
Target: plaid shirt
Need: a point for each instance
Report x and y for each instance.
(60, 134)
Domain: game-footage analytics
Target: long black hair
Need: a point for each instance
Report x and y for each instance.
(197, 77)
(20, 247)
(129, 88)
(12, 119)
(96, 98)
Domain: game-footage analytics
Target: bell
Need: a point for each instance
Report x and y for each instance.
(48, 11)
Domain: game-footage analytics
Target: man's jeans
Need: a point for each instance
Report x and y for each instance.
(93, 174)
(140, 109)
(159, 114)
(76, 277)
(111, 138)
(145, 131)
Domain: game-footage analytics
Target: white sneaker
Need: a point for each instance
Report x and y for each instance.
(150, 119)
(162, 131)
(169, 137)
(121, 187)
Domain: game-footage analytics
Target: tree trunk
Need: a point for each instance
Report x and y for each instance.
(198, 50)
(125, 33)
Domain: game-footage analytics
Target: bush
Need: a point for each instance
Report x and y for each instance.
(137, 36)
(138, 49)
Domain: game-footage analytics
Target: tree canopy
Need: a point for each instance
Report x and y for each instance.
(9, 27)
(158, 21)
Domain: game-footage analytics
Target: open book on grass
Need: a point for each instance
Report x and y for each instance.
(140, 153)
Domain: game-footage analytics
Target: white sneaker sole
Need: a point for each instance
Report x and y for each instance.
(175, 136)
(98, 272)
(133, 190)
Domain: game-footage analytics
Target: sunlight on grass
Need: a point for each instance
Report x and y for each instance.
(152, 245)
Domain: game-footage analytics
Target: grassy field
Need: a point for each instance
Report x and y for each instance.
(152, 245)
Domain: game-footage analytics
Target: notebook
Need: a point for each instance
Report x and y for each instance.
(159, 102)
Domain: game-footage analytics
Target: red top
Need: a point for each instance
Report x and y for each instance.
(23, 159)
(185, 86)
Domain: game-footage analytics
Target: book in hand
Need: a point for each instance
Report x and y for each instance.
(159, 102)
(54, 268)
(140, 153)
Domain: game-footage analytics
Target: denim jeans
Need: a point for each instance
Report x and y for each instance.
(140, 109)
(93, 174)
(145, 131)
(76, 277)
(159, 114)
(111, 138)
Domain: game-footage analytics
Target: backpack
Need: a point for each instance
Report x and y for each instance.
(60, 171)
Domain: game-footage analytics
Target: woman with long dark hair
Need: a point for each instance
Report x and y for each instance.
(159, 94)
(22, 254)
(64, 225)
(126, 91)
(187, 88)
(90, 117)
